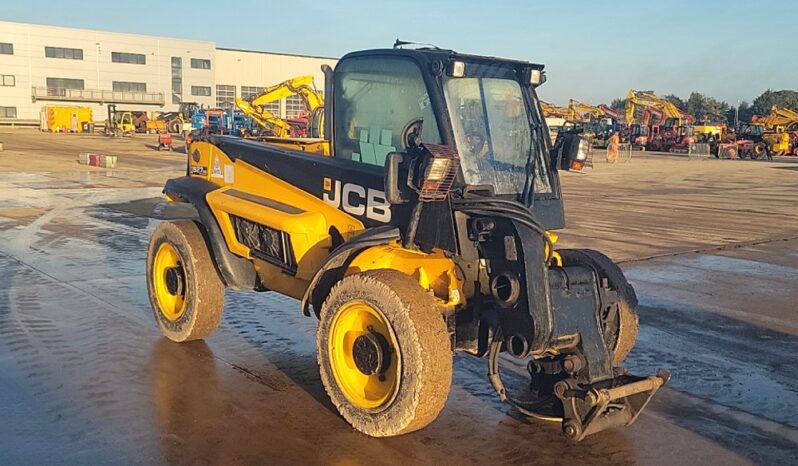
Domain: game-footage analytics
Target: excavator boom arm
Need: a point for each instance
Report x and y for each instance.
(255, 106)
(654, 105)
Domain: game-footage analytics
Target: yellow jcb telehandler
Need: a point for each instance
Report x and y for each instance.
(425, 230)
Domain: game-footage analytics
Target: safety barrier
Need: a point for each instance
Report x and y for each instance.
(699, 150)
(738, 150)
(624, 152)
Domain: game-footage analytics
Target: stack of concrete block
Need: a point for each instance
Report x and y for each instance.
(97, 160)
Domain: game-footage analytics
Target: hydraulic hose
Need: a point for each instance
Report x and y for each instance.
(508, 209)
(494, 375)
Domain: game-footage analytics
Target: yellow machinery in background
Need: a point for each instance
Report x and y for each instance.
(553, 111)
(774, 134)
(119, 122)
(646, 108)
(556, 119)
(779, 119)
(578, 111)
(69, 119)
(255, 107)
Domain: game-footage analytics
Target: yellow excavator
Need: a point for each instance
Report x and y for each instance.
(579, 111)
(557, 119)
(553, 111)
(648, 109)
(598, 122)
(773, 134)
(780, 118)
(255, 106)
(666, 122)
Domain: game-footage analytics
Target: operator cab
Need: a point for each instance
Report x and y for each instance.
(484, 108)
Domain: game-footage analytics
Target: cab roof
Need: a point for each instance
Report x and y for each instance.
(430, 54)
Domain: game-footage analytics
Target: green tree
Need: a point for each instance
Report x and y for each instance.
(677, 101)
(785, 98)
(705, 108)
(618, 104)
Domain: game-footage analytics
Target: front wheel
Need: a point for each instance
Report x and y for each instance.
(185, 290)
(384, 353)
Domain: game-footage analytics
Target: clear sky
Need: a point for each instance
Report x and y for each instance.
(593, 50)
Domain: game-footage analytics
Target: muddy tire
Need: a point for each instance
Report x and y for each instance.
(185, 290)
(760, 150)
(399, 395)
(626, 321)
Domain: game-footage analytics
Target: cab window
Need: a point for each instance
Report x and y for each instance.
(376, 100)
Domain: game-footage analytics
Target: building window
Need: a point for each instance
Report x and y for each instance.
(61, 52)
(204, 91)
(58, 86)
(8, 112)
(248, 92)
(273, 108)
(225, 95)
(122, 86)
(200, 63)
(7, 80)
(123, 57)
(294, 106)
(177, 80)
(6, 49)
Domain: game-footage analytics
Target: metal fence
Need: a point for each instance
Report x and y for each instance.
(97, 96)
(699, 151)
(737, 150)
(624, 152)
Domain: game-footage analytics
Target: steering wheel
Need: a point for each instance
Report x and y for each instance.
(475, 142)
(411, 133)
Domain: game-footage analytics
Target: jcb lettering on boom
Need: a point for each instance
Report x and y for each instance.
(357, 200)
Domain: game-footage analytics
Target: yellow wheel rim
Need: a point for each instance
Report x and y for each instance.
(168, 279)
(364, 355)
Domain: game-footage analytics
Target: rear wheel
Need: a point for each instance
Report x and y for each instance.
(185, 291)
(384, 353)
(760, 150)
(620, 324)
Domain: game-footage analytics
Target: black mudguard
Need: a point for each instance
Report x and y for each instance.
(238, 273)
(334, 266)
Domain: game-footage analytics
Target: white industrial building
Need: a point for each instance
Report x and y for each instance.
(48, 65)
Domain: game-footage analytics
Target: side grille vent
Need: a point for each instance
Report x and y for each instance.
(273, 246)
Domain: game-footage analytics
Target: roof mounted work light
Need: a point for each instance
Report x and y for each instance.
(456, 69)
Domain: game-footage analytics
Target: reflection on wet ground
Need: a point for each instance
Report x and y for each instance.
(85, 376)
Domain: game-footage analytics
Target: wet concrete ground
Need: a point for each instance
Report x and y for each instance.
(711, 247)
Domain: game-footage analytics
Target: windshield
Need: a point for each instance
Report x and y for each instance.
(493, 135)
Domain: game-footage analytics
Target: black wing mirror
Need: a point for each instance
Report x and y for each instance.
(393, 194)
(570, 152)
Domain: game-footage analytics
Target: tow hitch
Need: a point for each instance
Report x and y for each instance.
(587, 410)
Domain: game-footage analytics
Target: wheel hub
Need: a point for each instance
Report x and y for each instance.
(364, 355)
(371, 353)
(173, 276)
(169, 282)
